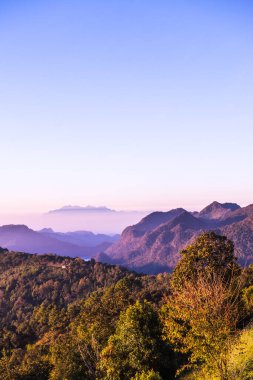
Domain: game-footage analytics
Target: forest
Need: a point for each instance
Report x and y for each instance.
(69, 319)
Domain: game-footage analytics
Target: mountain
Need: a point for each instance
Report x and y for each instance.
(155, 249)
(153, 244)
(153, 220)
(22, 238)
(150, 246)
(80, 238)
(217, 210)
(86, 209)
(237, 215)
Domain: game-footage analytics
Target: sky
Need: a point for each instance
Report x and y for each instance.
(132, 104)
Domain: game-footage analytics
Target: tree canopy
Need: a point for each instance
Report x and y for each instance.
(63, 318)
(210, 254)
(202, 313)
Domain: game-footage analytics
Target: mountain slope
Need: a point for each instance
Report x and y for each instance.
(156, 249)
(153, 245)
(241, 233)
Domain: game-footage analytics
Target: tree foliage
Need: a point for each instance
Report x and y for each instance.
(210, 254)
(137, 345)
(66, 319)
(203, 311)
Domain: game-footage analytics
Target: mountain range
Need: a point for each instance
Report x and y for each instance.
(153, 245)
(80, 243)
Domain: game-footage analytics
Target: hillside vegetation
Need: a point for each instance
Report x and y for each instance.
(67, 319)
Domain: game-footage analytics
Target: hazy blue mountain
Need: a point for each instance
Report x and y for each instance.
(97, 219)
(22, 238)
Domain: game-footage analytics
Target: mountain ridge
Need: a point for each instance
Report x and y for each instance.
(159, 247)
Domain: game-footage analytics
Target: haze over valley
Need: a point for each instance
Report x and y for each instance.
(69, 218)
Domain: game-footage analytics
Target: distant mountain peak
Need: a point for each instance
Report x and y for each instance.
(186, 218)
(217, 210)
(46, 230)
(152, 221)
(228, 205)
(70, 208)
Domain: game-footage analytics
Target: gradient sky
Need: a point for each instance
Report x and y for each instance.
(133, 104)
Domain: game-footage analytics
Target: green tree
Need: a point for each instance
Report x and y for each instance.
(65, 360)
(97, 320)
(136, 346)
(209, 254)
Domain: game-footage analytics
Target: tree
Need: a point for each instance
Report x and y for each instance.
(209, 254)
(65, 360)
(8, 366)
(97, 319)
(203, 310)
(34, 365)
(136, 346)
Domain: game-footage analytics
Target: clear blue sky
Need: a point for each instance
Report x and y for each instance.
(133, 104)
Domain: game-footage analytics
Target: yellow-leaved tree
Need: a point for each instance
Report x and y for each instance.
(201, 315)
